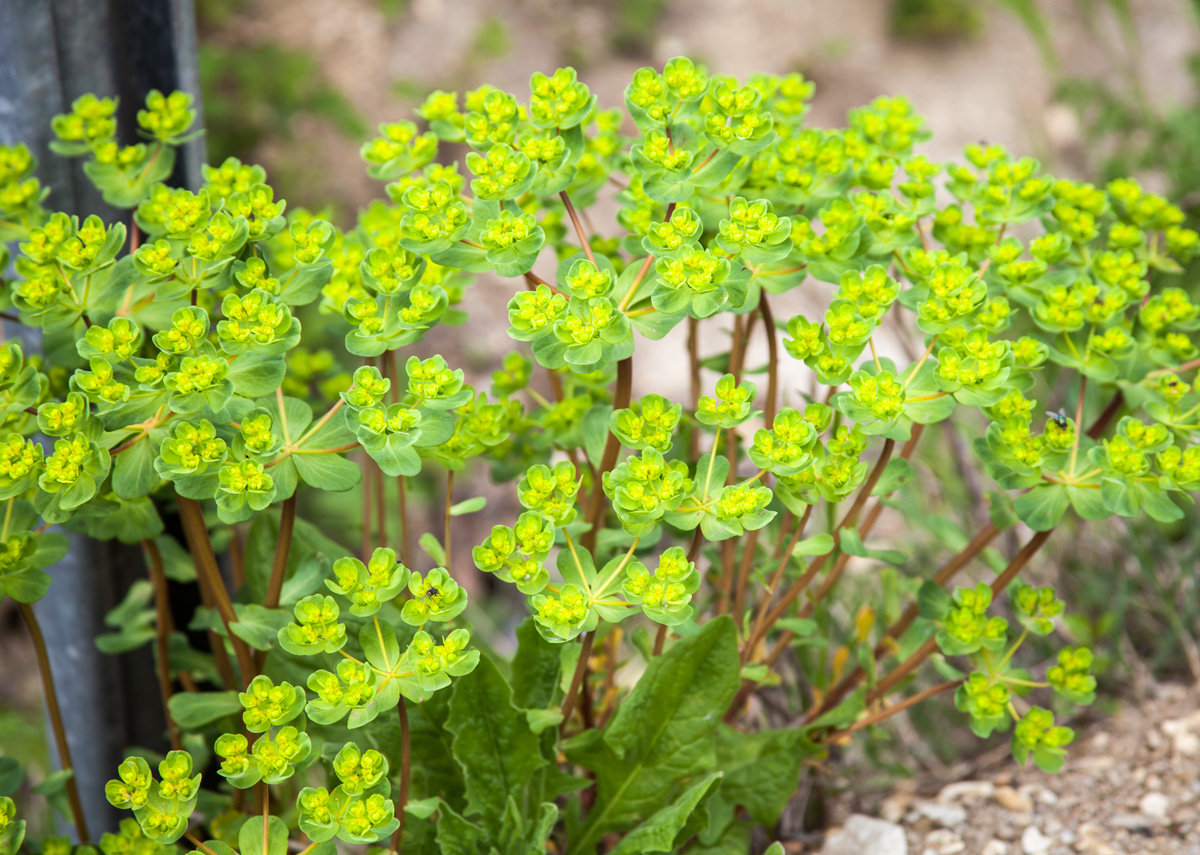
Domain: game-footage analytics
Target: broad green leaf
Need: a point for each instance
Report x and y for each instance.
(493, 744)
(257, 374)
(133, 469)
(659, 832)
(258, 626)
(761, 772)
(595, 431)
(535, 669)
(251, 838)
(821, 544)
(457, 836)
(327, 471)
(1042, 507)
(10, 776)
(662, 733)
(191, 710)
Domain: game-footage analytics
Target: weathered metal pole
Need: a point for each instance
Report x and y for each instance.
(51, 52)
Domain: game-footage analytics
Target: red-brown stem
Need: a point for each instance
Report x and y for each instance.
(402, 501)
(380, 511)
(949, 570)
(1114, 406)
(405, 773)
(368, 470)
(595, 509)
(772, 402)
(162, 635)
(216, 644)
(237, 557)
(577, 679)
(447, 517)
(693, 345)
(200, 547)
(743, 577)
(55, 713)
(283, 547)
(785, 558)
(900, 707)
(889, 681)
(587, 246)
(660, 638)
(815, 566)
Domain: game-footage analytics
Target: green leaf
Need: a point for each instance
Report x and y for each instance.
(133, 469)
(251, 837)
(595, 432)
(896, 474)
(761, 772)
(457, 836)
(10, 776)
(328, 471)
(468, 506)
(433, 548)
(256, 374)
(821, 544)
(1042, 507)
(662, 733)
(493, 744)
(536, 668)
(191, 710)
(932, 601)
(258, 626)
(660, 831)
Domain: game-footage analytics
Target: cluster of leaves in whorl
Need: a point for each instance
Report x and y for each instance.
(218, 353)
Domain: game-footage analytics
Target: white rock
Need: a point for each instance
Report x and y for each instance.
(1033, 842)
(1155, 806)
(862, 834)
(945, 815)
(994, 847)
(967, 791)
(1184, 734)
(943, 841)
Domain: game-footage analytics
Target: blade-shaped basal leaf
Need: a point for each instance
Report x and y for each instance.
(457, 836)
(662, 733)
(761, 772)
(536, 668)
(659, 832)
(493, 744)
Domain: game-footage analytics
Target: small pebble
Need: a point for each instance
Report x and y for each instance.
(947, 816)
(1033, 842)
(994, 847)
(1155, 806)
(1011, 800)
(943, 841)
(967, 791)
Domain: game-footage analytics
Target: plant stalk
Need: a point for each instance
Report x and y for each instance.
(56, 720)
(162, 635)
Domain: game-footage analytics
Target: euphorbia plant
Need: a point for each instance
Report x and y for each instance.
(217, 357)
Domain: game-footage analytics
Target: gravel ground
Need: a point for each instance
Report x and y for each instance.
(1131, 786)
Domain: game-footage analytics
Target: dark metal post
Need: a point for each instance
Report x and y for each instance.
(51, 52)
